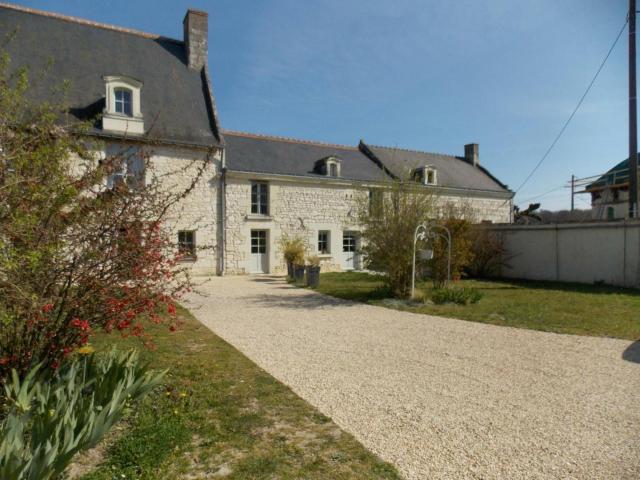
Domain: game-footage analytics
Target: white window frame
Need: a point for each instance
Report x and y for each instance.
(123, 102)
(121, 122)
(191, 254)
(259, 203)
(331, 165)
(327, 241)
(426, 175)
(129, 172)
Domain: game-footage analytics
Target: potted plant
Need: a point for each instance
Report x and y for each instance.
(298, 272)
(293, 249)
(313, 271)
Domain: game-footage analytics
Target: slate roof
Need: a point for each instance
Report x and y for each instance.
(453, 172)
(175, 101)
(247, 152)
(617, 176)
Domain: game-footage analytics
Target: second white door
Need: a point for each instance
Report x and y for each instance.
(349, 251)
(259, 252)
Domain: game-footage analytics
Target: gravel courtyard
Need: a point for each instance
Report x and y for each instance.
(442, 398)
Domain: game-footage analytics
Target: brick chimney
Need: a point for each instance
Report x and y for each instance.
(196, 33)
(472, 154)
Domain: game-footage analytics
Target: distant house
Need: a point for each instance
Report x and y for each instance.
(610, 193)
(140, 88)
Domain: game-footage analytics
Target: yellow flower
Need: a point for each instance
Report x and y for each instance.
(86, 350)
(183, 394)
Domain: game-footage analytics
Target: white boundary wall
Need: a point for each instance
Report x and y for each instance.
(606, 252)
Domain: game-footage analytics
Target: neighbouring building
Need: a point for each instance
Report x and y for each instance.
(610, 193)
(148, 91)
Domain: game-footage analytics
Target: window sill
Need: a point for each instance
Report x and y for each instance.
(258, 217)
(325, 255)
(188, 260)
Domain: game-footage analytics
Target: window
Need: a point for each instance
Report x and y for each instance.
(323, 242)
(375, 202)
(122, 106)
(348, 242)
(123, 101)
(258, 241)
(328, 166)
(426, 175)
(128, 166)
(260, 198)
(187, 244)
(611, 214)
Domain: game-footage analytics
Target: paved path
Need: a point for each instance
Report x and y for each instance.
(442, 398)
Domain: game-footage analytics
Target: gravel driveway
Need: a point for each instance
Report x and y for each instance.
(437, 397)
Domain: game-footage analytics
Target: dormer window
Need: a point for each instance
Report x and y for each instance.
(122, 111)
(123, 99)
(426, 175)
(329, 166)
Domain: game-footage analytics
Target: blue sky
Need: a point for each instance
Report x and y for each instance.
(421, 74)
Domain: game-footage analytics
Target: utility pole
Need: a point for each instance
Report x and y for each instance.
(633, 115)
(573, 188)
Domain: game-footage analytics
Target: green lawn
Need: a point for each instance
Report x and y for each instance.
(553, 307)
(221, 413)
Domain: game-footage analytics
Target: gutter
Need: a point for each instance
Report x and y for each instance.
(223, 212)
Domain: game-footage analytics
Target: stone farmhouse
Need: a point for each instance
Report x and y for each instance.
(147, 89)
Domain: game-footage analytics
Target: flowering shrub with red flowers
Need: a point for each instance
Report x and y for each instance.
(84, 241)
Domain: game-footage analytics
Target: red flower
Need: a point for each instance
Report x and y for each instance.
(47, 307)
(171, 308)
(81, 324)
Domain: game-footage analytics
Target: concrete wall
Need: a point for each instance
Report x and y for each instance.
(606, 252)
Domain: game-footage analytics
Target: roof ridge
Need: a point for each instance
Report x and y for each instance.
(83, 21)
(287, 139)
(413, 150)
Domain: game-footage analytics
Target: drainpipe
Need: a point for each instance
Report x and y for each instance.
(223, 212)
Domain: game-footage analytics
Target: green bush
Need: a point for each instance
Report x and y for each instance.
(461, 296)
(47, 419)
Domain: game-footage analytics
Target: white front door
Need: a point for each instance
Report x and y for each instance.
(259, 262)
(349, 251)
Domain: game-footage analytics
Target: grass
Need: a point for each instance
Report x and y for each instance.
(220, 415)
(548, 306)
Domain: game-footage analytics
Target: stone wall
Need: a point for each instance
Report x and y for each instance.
(199, 210)
(295, 209)
(302, 207)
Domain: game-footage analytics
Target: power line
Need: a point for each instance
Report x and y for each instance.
(543, 194)
(566, 124)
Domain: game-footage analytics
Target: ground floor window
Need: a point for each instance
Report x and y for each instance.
(187, 244)
(323, 242)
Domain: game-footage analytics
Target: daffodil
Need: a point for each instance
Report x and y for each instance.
(86, 350)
